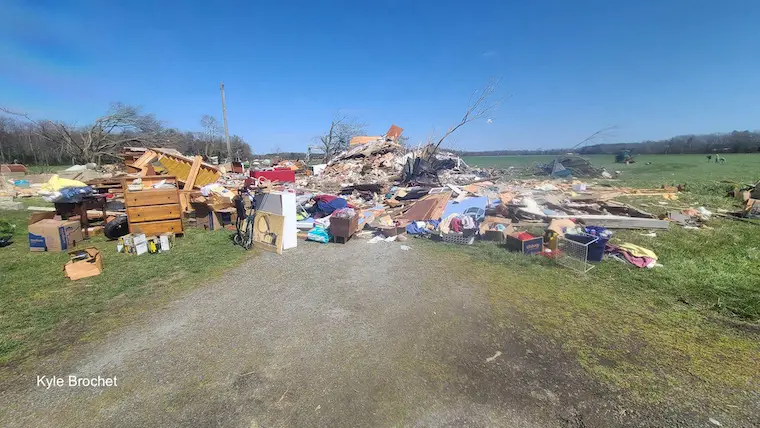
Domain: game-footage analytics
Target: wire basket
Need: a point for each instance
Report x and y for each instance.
(458, 238)
(573, 254)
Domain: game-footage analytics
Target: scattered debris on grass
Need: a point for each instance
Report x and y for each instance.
(376, 189)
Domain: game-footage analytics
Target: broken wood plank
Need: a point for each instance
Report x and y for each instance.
(89, 212)
(193, 174)
(144, 159)
(616, 221)
(619, 208)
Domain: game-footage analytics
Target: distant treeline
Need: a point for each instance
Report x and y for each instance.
(734, 142)
(36, 141)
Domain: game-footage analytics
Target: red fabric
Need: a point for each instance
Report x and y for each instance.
(282, 175)
(328, 198)
(524, 236)
(325, 198)
(455, 225)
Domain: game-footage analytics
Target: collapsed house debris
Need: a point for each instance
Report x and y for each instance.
(374, 189)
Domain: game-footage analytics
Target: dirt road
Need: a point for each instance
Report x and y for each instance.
(360, 335)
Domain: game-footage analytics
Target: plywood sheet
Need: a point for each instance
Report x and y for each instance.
(268, 230)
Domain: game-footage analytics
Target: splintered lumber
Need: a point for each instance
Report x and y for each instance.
(193, 174)
(144, 159)
(429, 207)
(182, 168)
(617, 221)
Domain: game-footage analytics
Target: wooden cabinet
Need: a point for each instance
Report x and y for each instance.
(153, 211)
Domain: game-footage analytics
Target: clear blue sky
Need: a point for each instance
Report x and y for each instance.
(655, 69)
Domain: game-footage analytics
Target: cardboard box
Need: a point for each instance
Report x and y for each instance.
(530, 246)
(54, 235)
(134, 243)
(41, 215)
(84, 263)
(488, 233)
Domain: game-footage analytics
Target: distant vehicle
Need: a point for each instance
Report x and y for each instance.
(624, 156)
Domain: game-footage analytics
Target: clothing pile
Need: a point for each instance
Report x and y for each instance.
(629, 253)
(457, 223)
(344, 213)
(422, 228)
(324, 205)
(64, 190)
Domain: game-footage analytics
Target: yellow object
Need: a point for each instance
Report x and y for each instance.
(638, 251)
(57, 183)
(670, 196)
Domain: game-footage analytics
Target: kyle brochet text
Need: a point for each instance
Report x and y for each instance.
(48, 382)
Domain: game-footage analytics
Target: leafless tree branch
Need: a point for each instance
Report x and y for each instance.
(478, 106)
(599, 134)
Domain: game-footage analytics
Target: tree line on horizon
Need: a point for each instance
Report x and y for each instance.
(732, 142)
(29, 140)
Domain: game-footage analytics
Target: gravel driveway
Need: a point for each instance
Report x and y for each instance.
(324, 336)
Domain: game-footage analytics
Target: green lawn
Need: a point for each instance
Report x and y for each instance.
(41, 310)
(644, 333)
(686, 335)
(664, 169)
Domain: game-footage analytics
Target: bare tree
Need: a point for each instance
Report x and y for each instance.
(122, 124)
(601, 134)
(342, 129)
(211, 131)
(479, 106)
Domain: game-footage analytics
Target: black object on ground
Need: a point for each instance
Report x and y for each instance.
(116, 227)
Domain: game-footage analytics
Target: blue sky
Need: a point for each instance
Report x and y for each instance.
(654, 69)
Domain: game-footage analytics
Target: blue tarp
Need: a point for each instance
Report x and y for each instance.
(460, 207)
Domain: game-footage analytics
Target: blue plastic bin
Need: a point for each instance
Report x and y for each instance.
(595, 249)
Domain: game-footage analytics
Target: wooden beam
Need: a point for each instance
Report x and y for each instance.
(144, 159)
(617, 221)
(193, 174)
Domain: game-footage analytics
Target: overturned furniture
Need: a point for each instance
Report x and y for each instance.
(153, 211)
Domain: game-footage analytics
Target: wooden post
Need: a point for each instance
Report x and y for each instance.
(226, 130)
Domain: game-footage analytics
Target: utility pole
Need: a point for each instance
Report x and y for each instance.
(226, 130)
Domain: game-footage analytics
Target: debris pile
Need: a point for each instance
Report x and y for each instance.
(571, 166)
(375, 189)
(371, 163)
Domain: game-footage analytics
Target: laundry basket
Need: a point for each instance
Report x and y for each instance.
(467, 237)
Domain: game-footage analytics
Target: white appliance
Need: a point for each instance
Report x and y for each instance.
(284, 204)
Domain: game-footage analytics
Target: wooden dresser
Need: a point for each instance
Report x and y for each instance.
(153, 211)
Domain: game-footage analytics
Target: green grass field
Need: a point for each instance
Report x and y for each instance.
(664, 169)
(684, 335)
(42, 311)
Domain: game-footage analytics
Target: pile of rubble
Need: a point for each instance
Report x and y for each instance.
(386, 163)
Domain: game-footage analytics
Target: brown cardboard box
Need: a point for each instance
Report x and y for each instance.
(84, 263)
(41, 215)
(489, 234)
(54, 235)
